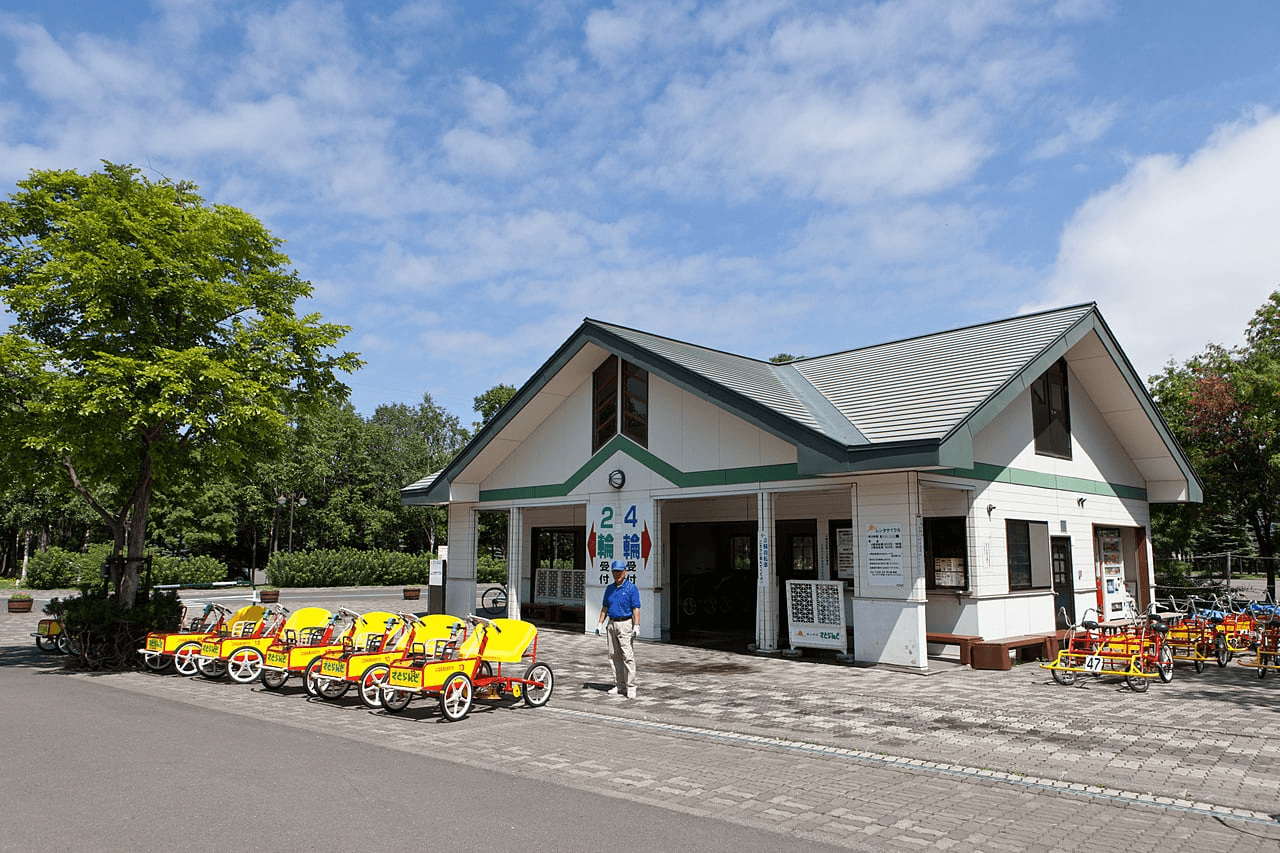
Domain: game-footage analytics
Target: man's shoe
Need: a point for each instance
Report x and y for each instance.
(614, 691)
(632, 693)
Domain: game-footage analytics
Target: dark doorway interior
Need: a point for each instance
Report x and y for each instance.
(714, 571)
(1063, 582)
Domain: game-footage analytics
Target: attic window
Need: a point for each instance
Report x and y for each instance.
(609, 385)
(1051, 412)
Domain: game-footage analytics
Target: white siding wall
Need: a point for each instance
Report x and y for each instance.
(684, 431)
(1009, 441)
(557, 448)
(694, 435)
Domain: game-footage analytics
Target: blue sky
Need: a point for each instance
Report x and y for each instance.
(464, 182)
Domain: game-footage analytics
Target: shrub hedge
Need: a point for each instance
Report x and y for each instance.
(54, 568)
(347, 567)
(491, 570)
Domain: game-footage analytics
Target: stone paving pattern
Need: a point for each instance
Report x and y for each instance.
(861, 757)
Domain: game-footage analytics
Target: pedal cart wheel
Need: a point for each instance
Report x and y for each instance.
(1139, 683)
(328, 688)
(455, 697)
(1063, 676)
(274, 679)
(394, 700)
(155, 661)
(1164, 664)
(211, 668)
(371, 684)
(244, 665)
(535, 696)
(185, 659)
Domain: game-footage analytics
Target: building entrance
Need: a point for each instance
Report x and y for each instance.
(714, 572)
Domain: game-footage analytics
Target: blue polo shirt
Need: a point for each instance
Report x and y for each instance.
(619, 600)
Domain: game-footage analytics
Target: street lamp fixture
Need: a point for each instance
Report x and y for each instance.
(292, 499)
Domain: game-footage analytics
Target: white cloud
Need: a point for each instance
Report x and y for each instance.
(1181, 252)
(1081, 126)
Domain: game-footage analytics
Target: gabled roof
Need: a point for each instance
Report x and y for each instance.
(914, 403)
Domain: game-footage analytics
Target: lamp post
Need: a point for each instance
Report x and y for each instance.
(292, 499)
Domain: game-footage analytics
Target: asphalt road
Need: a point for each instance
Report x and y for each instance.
(88, 767)
(721, 751)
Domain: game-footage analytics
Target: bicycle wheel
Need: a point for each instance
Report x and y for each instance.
(494, 601)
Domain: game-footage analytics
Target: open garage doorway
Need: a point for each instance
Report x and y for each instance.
(714, 573)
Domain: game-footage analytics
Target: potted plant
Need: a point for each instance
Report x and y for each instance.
(268, 594)
(20, 602)
(412, 592)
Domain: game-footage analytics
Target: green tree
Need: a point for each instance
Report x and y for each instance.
(491, 527)
(1224, 406)
(153, 339)
(409, 442)
(488, 403)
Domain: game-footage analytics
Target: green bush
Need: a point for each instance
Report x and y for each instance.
(490, 569)
(347, 568)
(102, 635)
(55, 568)
(191, 570)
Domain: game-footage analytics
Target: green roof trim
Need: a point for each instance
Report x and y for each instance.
(1036, 479)
(681, 479)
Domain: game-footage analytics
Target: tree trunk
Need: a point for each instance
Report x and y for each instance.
(26, 552)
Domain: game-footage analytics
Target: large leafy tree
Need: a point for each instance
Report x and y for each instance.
(1224, 406)
(153, 339)
(410, 442)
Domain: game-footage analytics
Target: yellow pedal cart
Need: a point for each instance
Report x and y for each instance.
(181, 649)
(459, 669)
(368, 667)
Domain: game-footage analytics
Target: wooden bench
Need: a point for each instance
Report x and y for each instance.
(964, 641)
(994, 654)
(575, 615)
(541, 612)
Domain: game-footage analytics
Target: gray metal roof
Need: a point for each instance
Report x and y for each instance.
(753, 379)
(905, 391)
(908, 403)
(924, 387)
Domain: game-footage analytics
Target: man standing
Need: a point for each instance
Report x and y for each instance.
(620, 616)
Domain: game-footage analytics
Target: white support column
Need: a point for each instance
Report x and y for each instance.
(515, 560)
(766, 577)
(460, 583)
(659, 619)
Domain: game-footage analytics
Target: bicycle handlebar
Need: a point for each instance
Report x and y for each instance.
(488, 623)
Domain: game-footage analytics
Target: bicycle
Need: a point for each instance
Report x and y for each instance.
(494, 600)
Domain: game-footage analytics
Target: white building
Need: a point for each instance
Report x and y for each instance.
(969, 482)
